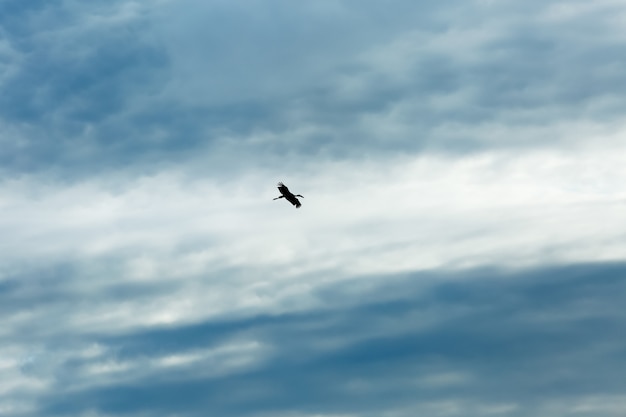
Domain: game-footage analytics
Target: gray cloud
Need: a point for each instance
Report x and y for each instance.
(522, 341)
(74, 70)
(127, 86)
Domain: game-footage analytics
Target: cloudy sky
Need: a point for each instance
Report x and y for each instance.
(460, 251)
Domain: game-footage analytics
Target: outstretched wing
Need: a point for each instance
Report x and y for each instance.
(293, 200)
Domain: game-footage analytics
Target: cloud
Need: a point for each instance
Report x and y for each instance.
(126, 86)
(457, 249)
(74, 70)
(514, 343)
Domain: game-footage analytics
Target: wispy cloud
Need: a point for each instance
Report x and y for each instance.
(129, 85)
(513, 343)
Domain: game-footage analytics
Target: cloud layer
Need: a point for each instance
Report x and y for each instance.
(131, 85)
(515, 344)
(460, 248)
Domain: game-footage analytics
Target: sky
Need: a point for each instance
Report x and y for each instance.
(461, 245)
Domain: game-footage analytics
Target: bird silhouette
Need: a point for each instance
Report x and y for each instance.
(287, 195)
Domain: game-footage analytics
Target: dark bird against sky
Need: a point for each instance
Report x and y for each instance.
(288, 195)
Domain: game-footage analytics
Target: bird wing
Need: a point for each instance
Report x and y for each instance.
(293, 200)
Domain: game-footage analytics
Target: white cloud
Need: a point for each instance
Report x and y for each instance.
(532, 198)
(225, 248)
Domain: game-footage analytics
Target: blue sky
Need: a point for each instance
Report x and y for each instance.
(460, 250)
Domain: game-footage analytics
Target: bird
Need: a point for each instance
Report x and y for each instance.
(287, 195)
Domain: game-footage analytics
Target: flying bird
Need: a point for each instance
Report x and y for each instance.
(287, 195)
